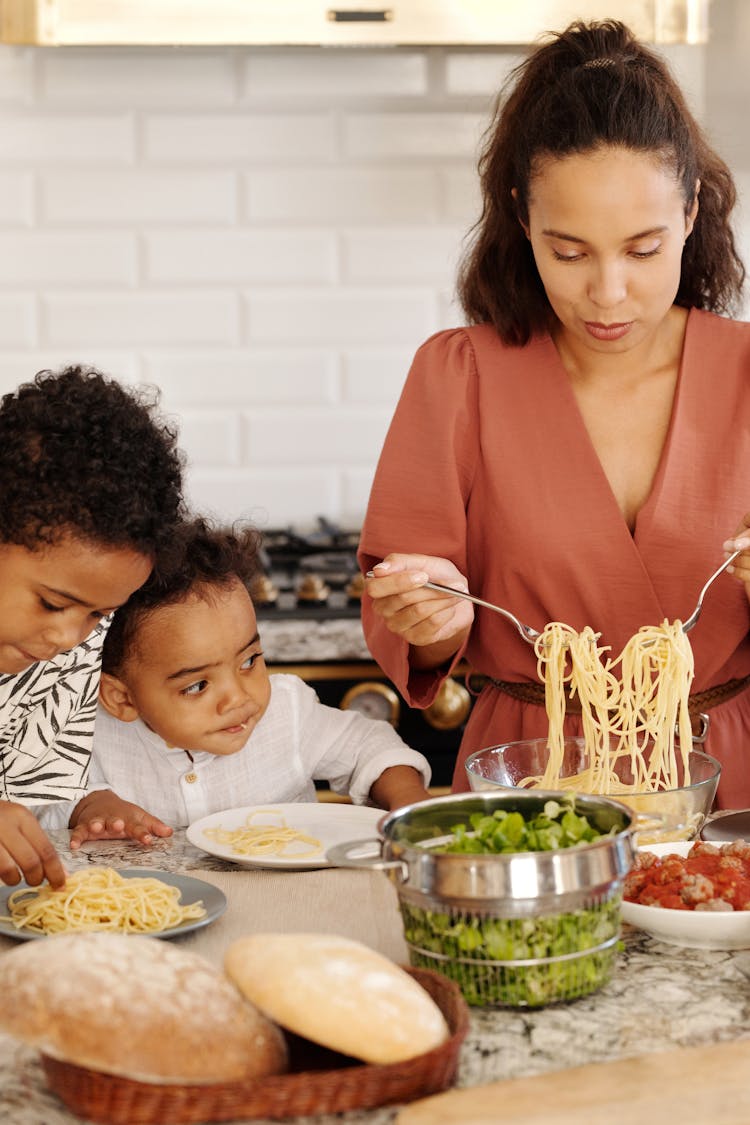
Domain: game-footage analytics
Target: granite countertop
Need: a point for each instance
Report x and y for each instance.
(661, 996)
(303, 641)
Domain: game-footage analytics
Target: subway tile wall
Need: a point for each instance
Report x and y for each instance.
(266, 235)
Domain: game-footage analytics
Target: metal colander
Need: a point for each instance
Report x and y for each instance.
(520, 929)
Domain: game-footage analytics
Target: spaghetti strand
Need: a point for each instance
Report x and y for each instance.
(631, 707)
(265, 839)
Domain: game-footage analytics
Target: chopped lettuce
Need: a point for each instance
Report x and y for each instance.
(557, 826)
(461, 946)
(473, 949)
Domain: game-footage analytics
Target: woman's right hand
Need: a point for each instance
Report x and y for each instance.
(423, 618)
(25, 851)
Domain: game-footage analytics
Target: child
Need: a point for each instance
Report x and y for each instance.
(190, 722)
(89, 493)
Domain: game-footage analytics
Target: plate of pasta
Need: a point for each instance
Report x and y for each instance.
(292, 835)
(135, 900)
(693, 894)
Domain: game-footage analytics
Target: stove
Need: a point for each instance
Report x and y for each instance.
(307, 599)
(312, 577)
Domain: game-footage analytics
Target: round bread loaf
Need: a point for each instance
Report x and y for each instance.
(338, 993)
(135, 1007)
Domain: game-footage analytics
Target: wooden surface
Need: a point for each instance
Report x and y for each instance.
(690, 1086)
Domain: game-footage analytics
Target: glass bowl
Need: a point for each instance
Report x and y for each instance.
(663, 816)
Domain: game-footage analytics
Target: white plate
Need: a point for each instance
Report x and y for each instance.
(328, 822)
(701, 929)
(191, 890)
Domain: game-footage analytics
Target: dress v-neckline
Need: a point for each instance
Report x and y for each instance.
(645, 515)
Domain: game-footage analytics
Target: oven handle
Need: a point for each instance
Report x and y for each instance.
(362, 854)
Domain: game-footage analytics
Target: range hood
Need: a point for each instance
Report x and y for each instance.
(348, 23)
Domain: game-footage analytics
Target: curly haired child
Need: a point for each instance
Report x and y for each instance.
(90, 490)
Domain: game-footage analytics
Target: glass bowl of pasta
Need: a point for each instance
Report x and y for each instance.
(663, 813)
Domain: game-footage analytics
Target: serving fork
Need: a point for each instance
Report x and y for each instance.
(526, 631)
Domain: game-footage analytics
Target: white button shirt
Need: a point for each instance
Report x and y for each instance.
(298, 741)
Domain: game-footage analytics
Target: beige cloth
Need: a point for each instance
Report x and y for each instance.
(362, 905)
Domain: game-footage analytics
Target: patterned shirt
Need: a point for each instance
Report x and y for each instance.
(47, 724)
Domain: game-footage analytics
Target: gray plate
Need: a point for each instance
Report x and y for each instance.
(214, 901)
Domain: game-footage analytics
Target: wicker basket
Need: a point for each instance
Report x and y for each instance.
(340, 1085)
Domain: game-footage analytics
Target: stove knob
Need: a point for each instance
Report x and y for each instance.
(355, 588)
(312, 590)
(263, 591)
(450, 707)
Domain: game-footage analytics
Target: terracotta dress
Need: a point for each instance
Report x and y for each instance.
(488, 463)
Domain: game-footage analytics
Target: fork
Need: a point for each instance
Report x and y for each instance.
(688, 623)
(526, 631)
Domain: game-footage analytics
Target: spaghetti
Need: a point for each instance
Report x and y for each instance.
(99, 898)
(265, 839)
(634, 709)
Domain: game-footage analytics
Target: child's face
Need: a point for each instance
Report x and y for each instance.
(51, 598)
(197, 675)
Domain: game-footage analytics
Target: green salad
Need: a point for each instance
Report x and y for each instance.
(557, 826)
(475, 950)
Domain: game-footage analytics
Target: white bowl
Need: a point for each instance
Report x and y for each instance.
(700, 929)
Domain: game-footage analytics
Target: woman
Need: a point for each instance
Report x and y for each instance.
(581, 452)
(90, 492)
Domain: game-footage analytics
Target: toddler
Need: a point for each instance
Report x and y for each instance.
(190, 722)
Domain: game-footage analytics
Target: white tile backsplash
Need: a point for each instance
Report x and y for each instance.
(399, 135)
(342, 195)
(344, 316)
(240, 138)
(198, 78)
(236, 378)
(17, 199)
(135, 197)
(16, 76)
(265, 234)
(346, 436)
(21, 365)
(236, 255)
(328, 76)
(38, 139)
(406, 254)
(18, 319)
(134, 319)
(46, 257)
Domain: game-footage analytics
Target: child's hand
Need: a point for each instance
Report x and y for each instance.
(105, 816)
(25, 850)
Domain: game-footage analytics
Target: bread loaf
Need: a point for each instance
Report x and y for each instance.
(135, 1007)
(338, 993)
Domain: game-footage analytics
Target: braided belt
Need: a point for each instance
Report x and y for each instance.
(698, 704)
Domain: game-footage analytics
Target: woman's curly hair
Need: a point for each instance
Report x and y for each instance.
(200, 557)
(593, 85)
(81, 454)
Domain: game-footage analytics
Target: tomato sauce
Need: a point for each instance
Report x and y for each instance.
(708, 878)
